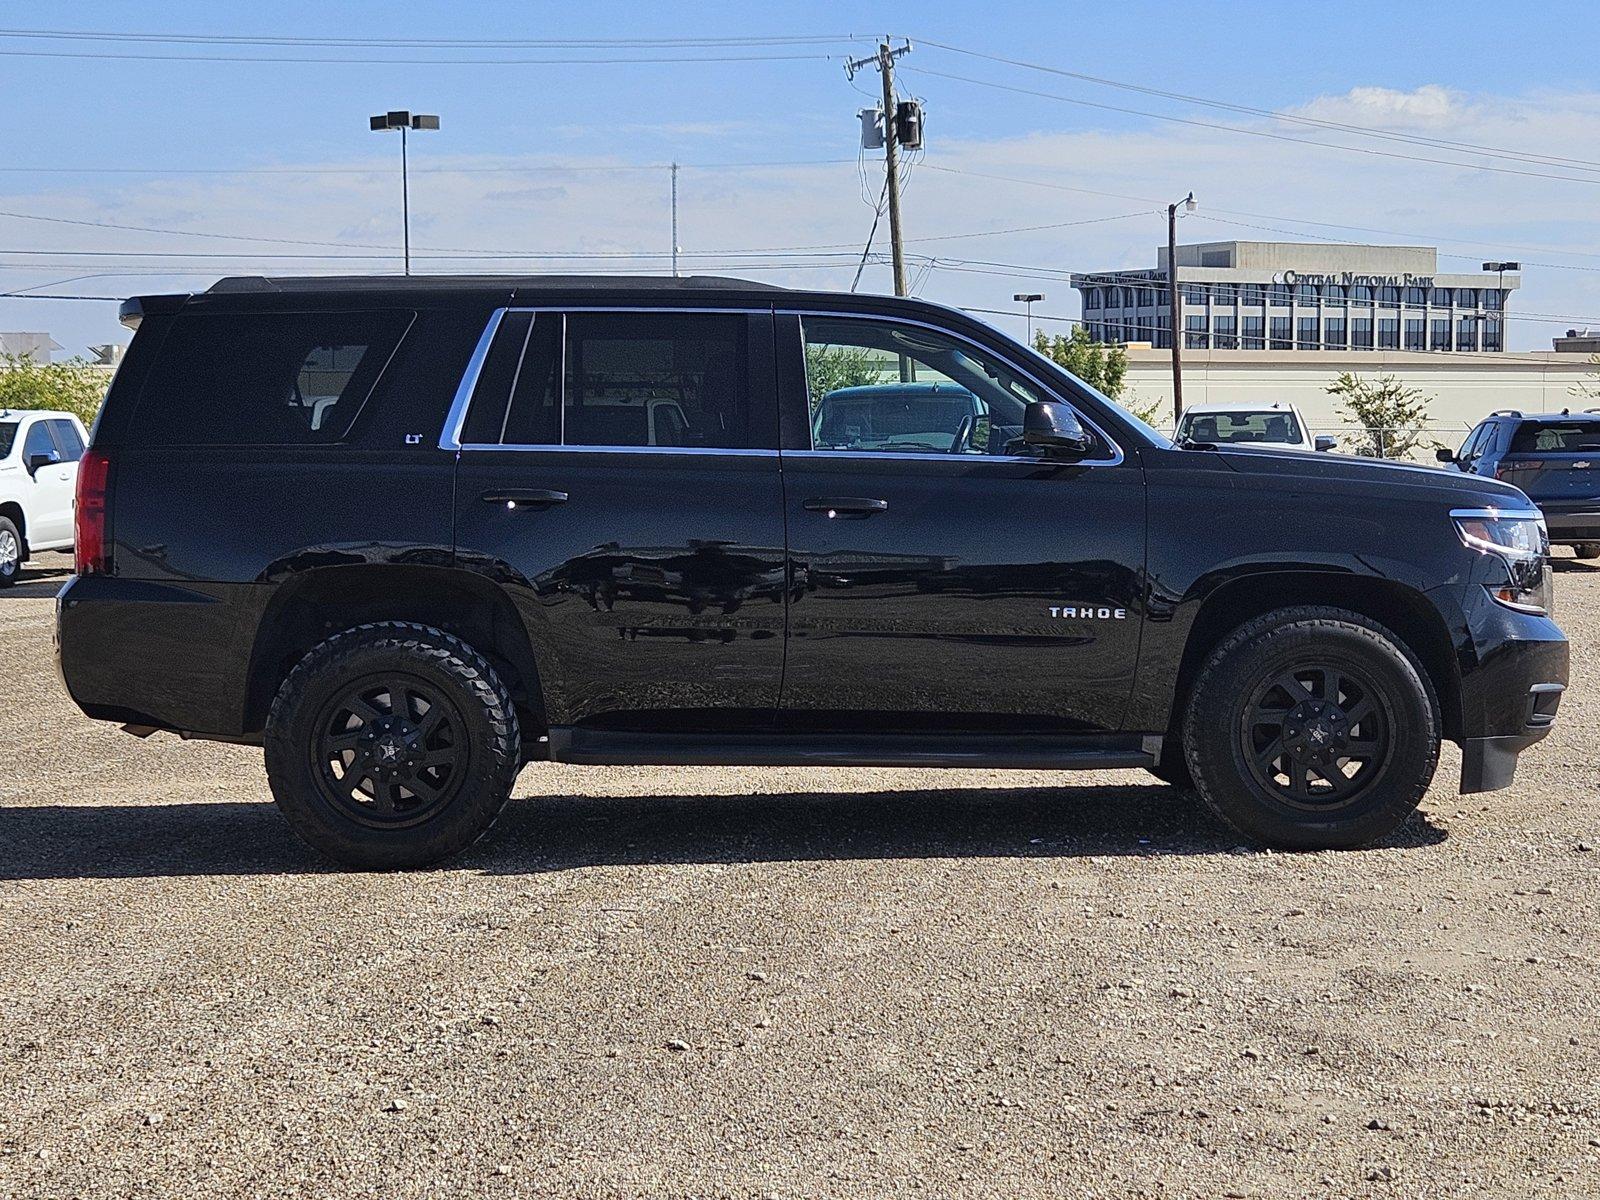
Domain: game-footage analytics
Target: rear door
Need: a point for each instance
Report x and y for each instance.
(48, 487)
(943, 576)
(618, 475)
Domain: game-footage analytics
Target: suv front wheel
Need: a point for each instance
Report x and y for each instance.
(392, 745)
(1312, 728)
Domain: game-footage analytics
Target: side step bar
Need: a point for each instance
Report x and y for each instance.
(1037, 752)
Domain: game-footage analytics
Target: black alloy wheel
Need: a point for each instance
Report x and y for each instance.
(1317, 735)
(390, 751)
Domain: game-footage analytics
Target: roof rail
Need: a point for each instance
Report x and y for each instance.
(1506, 412)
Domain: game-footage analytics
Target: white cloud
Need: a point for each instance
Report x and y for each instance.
(1427, 107)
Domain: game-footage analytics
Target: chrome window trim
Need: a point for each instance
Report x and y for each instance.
(450, 435)
(1117, 456)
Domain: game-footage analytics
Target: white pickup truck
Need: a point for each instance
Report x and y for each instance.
(39, 453)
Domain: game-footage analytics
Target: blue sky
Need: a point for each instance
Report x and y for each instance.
(550, 158)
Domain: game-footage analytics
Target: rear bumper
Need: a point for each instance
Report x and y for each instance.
(1569, 523)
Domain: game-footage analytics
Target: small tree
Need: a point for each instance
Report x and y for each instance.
(1101, 366)
(1588, 389)
(1395, 416)
(71, 386)
(829, 368)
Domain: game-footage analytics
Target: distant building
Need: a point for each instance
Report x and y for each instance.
(1301, 296)
(107, 355)
(1578, 341)
(37, 346)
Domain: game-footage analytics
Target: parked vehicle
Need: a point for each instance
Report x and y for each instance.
(401, 533)
(902, 416)
(1552, 458)
(1273, 426)
(39, 452)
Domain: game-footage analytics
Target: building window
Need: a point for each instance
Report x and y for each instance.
(1466, 334)
(1443, 296)
(1361, 293)
(1193, 293)
(1414, 334)
(1439, 334)
(1280, 293)
(1333, 335)
(1114, 299)
(1306, 335)
(1361, 333)
(1491, 335)
(1306, 293)
(1389, 295)
(1467, 297)
(1227, 328)
(1281, 334)
(1253, 293)
(1334, 292)
(1494, 299)
(1194, 333)
(1254, 338)
(1388, 333)
(1225, 293)
(1417, 297)
(1091, 298)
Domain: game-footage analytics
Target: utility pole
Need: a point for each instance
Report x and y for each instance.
(674, 220)
(1172, 305)
(885, 64)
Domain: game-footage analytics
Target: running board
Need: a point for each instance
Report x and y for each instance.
(1035, 752)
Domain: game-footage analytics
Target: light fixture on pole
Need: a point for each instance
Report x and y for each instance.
(1500, 269)
(1028, 298)
(1172, 304)
(405, 122)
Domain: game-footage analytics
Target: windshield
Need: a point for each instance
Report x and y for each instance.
(1272, 425)
(8, 437)
(1555, 437)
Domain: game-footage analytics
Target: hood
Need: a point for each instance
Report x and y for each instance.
(1369, 477)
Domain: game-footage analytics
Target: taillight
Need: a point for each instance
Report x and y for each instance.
(91, 550)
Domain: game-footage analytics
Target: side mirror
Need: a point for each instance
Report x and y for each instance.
(36, 460)
(1052, 427)
(1445, 455)
(1325, 442)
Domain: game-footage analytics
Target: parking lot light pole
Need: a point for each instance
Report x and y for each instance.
(404, 121)
(1172, 304)
(1028, 298)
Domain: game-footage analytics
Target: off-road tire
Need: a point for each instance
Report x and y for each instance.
(1217, 716)
(10, 574)
(459, 674)
(1587, 549)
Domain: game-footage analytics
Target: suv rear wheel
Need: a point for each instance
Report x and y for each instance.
(1311, 729)
(1587, 549)
(392, 745)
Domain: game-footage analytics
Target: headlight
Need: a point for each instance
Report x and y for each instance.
(1518, 538)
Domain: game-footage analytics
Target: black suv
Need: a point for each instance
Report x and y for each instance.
(412, 534)
(1553, 458)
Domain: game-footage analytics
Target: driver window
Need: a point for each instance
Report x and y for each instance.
(1470, 447)
(887, 388)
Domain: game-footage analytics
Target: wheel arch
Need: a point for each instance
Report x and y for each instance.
(1403, 610)
(13, 510)
(313, 605)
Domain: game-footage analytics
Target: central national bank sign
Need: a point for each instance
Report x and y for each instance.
(1351, 279)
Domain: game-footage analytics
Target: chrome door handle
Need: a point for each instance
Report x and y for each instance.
(845, 506)
(525, 497)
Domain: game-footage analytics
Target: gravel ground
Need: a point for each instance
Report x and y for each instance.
(698, 982)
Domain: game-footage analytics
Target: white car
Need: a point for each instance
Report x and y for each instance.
(39, 453)
(1271, 426)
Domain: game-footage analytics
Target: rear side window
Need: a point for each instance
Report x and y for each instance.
(1556, 437)
(274, 379)
(615, 380)
(67, 440)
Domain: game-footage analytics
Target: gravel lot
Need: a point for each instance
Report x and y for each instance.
(789, 983)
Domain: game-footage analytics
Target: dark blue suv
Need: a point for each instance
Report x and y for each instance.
(1554, 458)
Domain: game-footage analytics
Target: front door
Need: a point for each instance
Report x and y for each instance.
(618, 476)
(49, 487)
(942, 576)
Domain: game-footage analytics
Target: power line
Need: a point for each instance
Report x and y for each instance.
(446, 43)
(1294, 118)
(1258, 133)
(386, 168)
(327, 60)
